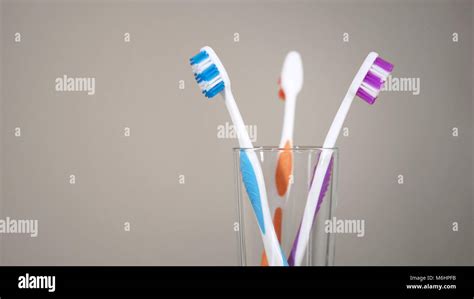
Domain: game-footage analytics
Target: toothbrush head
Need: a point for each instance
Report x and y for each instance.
(291, 79)
(209, 72)
(374, 79)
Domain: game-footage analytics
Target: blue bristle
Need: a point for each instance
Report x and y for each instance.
(209, 73)
(207, 76)
(215, 90)
(198, 78)
(198, 57)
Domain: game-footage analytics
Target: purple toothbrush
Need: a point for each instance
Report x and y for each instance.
(367, 84)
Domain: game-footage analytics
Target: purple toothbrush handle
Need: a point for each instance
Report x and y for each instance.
(324, 189)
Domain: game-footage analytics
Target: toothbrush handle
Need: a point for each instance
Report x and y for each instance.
(285, 156)
(310, 211)
(236, 117)
(311, 208)
(323, 163)
(338, 121)
(284, 170)
(288, 119)
(322, 193)
(252, 177)
(277, 221)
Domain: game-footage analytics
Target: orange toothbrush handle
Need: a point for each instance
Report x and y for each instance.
(277, 219)
(284, 168)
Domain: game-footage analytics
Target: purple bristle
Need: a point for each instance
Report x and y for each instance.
(385, 65)
(373, 80)
(365, 96)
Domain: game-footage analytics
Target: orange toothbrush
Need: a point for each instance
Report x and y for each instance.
(290, 84)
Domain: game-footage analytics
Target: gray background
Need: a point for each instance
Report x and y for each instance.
(173, 131)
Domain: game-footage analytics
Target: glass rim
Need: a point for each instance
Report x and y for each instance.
(270, 148)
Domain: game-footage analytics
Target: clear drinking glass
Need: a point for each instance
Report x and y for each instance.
(288, 207)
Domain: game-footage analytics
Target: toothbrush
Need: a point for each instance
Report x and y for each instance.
(212, 78)
(367, 84)
(290, 84)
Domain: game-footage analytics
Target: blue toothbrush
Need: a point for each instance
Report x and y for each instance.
(212, 78)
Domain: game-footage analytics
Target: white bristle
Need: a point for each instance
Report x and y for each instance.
(214, 82)
(200, 67)
(380, 72)
(369, 89)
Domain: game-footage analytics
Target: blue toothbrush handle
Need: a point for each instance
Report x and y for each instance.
(260, 208)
